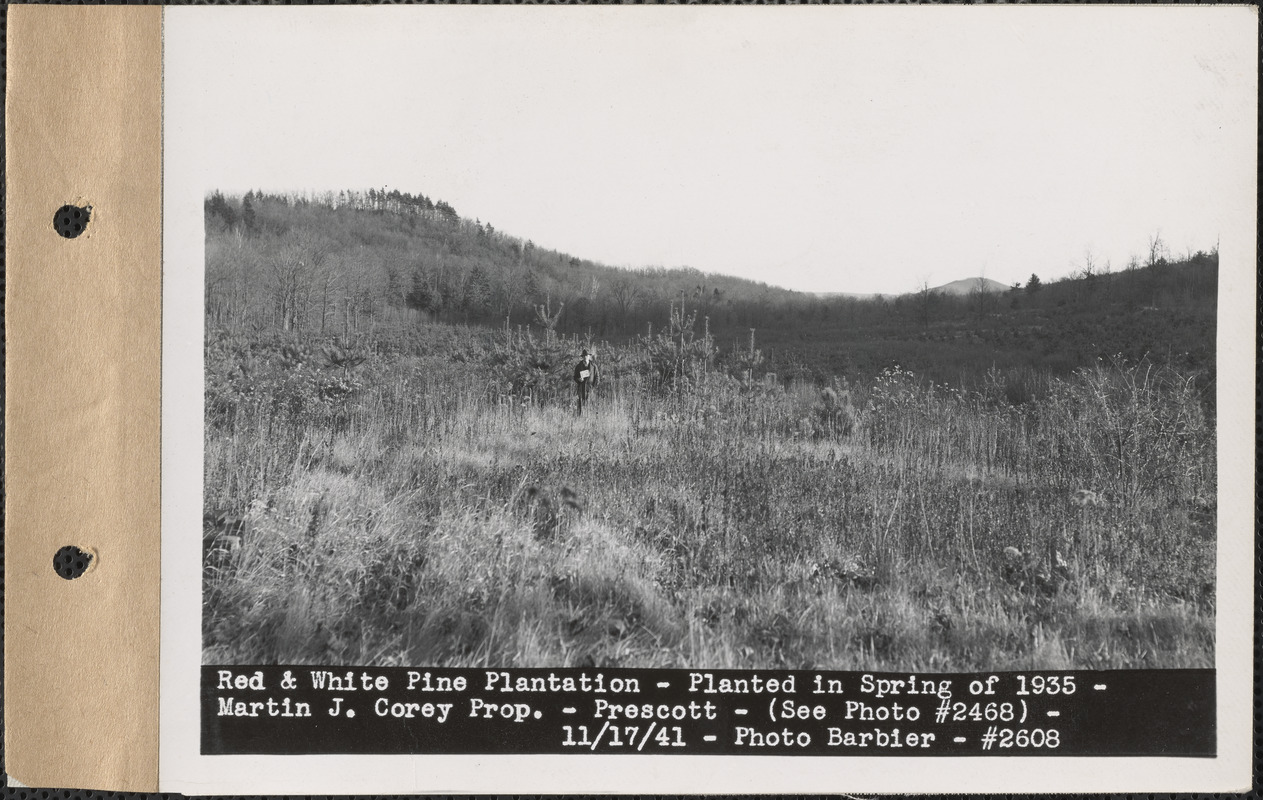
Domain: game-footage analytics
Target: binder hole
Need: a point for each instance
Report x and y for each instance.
(70, 562)
(69, 221)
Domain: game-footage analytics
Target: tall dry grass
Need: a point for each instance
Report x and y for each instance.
(417, 510)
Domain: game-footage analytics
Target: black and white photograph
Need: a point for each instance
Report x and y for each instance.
(826, 412)
(858, 342)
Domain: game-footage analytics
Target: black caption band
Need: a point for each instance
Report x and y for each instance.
(356, 710)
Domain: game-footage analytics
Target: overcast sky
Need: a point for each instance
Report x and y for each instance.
(831, 149)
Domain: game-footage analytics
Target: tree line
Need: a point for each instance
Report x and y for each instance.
(350, 264)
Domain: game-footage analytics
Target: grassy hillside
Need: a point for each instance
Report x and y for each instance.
(435, 500)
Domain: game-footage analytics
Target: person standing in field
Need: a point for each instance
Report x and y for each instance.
(586, 377)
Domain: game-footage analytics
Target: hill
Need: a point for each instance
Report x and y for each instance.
(361, 266)
(966, 286)
(345, 260)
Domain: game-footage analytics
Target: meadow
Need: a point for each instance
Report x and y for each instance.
(428, 496)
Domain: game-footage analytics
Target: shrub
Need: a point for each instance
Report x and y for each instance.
(834, 415)
(1131, 428)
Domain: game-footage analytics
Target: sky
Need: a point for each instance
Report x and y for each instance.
(825, 149)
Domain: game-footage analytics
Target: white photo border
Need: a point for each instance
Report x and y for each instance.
(187, 179)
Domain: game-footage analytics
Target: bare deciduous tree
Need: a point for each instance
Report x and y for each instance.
(626, 293)
(1157, 250)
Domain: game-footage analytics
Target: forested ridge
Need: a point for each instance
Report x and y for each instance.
(355, 264)
(386, 253)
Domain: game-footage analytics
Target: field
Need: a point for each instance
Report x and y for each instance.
(430, 497)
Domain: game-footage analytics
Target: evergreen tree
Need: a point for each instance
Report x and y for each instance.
(248, 215)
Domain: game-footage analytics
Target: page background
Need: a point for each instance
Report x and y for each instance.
(188, 176)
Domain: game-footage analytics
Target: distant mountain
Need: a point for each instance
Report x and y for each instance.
(966, 286)
(852, 295)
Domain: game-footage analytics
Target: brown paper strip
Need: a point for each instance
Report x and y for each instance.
(84, 123)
